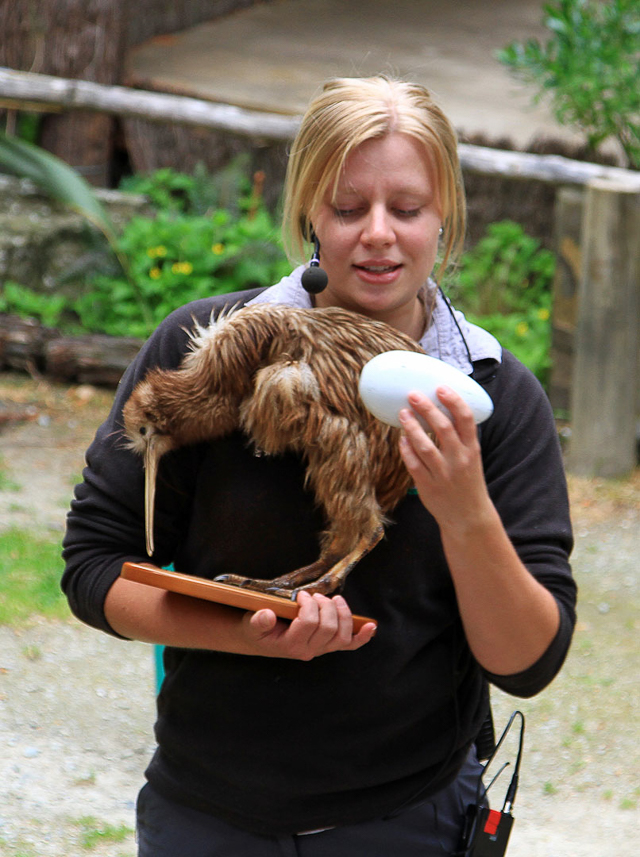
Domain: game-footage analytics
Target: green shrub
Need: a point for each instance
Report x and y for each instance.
(503, 284)
(211, 235)
(589, 68)
(25, 302)
(167, 189)
(525, 334)
(191, 248)
(175, 258)
(201, 193)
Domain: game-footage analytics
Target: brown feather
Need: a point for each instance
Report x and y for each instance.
(289, 379)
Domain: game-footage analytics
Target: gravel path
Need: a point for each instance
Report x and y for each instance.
(76, 707)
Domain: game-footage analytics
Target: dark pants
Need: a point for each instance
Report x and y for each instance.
(431, 829)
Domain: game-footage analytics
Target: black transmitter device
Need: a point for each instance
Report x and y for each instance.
(486, 832)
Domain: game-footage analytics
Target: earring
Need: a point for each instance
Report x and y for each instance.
(314, 279)
(441, 231)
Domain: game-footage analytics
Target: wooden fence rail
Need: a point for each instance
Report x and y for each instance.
(28, 91)
(606, 375)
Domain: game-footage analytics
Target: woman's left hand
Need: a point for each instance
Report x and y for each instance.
(447, 471)
(509, 618)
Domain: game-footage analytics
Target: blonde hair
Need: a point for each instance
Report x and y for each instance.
(349, 111)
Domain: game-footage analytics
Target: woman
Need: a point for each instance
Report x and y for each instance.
(305, 738)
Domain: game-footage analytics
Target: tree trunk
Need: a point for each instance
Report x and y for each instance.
(96, 359)
(22, 343)
(28, 346)
(74, 39)
(605, 379)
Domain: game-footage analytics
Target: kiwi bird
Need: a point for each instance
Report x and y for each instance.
(288, 378)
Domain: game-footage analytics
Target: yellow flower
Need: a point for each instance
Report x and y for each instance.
(218, 249)
(155, 273)
(182, 267)
(522, 329)
(154, 252)
(543, 314)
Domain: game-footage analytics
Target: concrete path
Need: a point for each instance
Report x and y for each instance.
(273, 57)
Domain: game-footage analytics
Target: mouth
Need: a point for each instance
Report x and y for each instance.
(381, 272)
(379, 267)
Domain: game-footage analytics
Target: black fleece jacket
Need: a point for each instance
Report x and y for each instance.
(279, 746)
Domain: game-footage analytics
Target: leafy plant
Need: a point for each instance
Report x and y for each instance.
(61, 182)
(176, 258)
(26, 302)
(201, 193)
(503, 284)
(507, 270)
(589, 68)
(166, 188)
(191, 249)
(28, 125)
(65, 185)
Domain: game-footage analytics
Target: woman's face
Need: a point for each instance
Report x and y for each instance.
(379, 237)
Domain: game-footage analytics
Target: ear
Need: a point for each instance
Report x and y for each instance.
(306, 227)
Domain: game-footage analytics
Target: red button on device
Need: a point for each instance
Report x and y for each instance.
(493, 820)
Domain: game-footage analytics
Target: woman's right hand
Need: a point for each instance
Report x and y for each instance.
(322, 625)
(146, 613)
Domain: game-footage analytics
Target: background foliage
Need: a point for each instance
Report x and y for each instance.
(211, 234)
(589, 69)
(208, 235)
(503, 284)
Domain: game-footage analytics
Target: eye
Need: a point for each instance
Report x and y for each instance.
(143, 430)
(346, 209)
(408, 212)
(344, 213)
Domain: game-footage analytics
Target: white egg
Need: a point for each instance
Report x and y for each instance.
(387, 380)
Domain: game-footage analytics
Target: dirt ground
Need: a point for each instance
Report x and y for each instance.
(77, 707)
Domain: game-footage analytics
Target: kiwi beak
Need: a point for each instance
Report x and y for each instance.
(151, 459)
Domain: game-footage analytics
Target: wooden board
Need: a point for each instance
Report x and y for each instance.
(222, 593)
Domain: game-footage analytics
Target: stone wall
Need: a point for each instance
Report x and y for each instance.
(44, 245)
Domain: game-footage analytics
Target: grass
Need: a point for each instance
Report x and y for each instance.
(94, 832)
(30, 580)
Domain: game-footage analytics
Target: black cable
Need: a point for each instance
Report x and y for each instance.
(486, 790)
(513, 785)
(476, 839)
(455, 321)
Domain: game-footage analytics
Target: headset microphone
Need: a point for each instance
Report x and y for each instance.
(314, 280)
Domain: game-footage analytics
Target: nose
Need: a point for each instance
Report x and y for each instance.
(378, 228)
